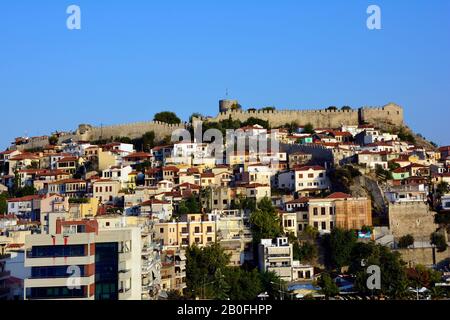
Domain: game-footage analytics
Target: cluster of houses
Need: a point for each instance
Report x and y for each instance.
(110, 201)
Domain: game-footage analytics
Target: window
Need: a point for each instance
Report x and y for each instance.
(209, 229)
(324, 225)
(323, 211)
(316, 211)
(197, 230)
(316, 225)
(161, 230)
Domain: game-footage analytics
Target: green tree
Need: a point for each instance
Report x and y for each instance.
(242, 284)
(332, 108)
(308, 252)
(406, 241)
(328, 287)
(53, 140)
(202, 265)
(421, 276)
(271, 283)
(442, 188)
(148, 141)
(123, 140)
(167, 117)
(308, 128)
(394, 280)
(438, 240)
(342, 178)
(265, 223)
(346, 108)
(256, 121)
(190, 205)
(268, 109)
(339, 245)
(406, 136)
(3, 203)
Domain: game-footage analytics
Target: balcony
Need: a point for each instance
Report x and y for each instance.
(58, 261)
(58, 281)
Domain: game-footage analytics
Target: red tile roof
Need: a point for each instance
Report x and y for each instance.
(307, 168)
(26, 198)
(339, 195)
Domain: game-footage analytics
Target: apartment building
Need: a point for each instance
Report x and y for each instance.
(310, 178)
(84, 260)
(106, 191)
(234, 235)
(173, 270)
(118, 173)
(191, 229)
(276, 256)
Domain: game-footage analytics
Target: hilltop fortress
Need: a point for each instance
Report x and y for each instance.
(325, 118)
(390, 113)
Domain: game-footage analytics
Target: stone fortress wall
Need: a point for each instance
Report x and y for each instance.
(390, 113)
(131, 130)
(86, 132)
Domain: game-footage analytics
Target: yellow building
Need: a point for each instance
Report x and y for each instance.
(132, 177)
(106, 159)
(81, 209)
(192, 229)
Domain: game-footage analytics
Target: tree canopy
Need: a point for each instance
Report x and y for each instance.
(3, 203)
(167, 117)
(406, 241)
(339, 245)
(265, 222)
(328, 287)
(308, 128)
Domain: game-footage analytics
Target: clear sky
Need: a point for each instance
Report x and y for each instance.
(134, 58)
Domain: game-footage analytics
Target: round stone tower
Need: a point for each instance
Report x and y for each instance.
(227, 105)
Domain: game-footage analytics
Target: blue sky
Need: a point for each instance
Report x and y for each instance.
(132, 59)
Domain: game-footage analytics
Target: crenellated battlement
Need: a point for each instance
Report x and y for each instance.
(390, 113)
(324, 118)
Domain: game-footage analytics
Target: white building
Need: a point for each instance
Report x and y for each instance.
(311, 177)
(118, 173)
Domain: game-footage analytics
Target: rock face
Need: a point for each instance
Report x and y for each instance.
(364, 186)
